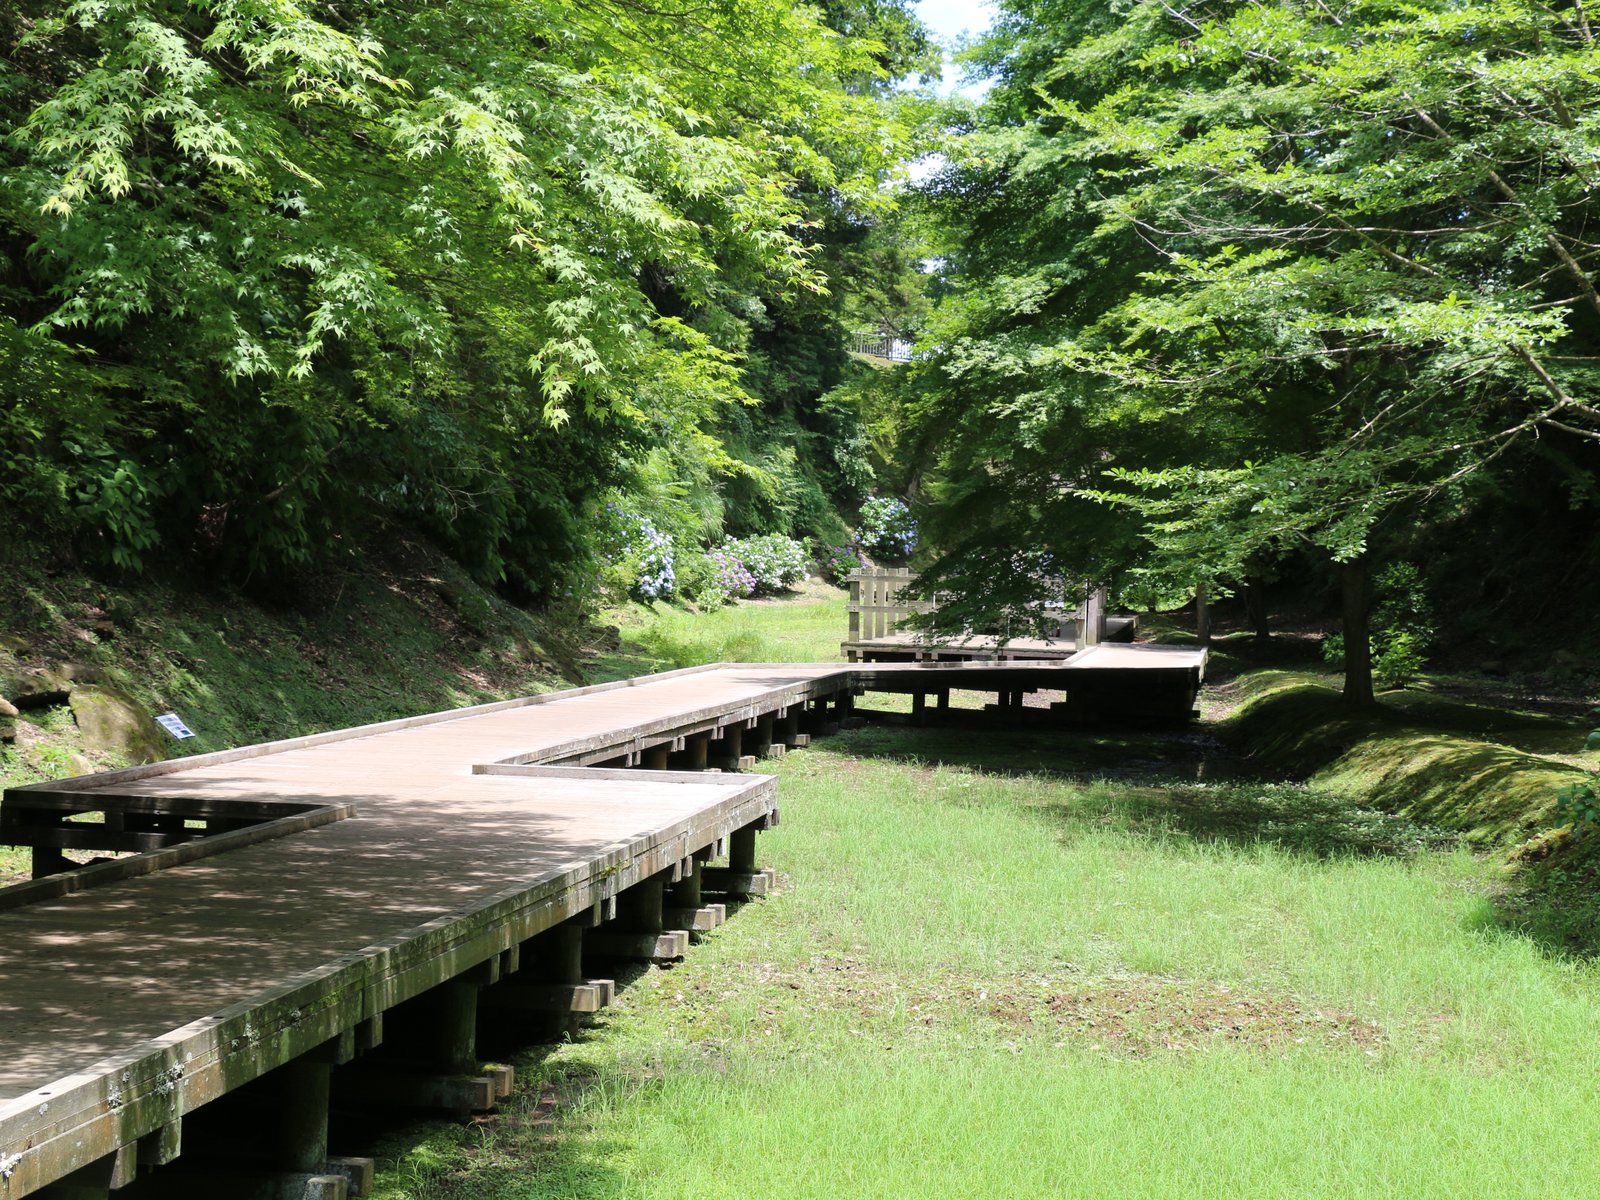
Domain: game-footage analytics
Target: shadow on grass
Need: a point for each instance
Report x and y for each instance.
(1161, 785)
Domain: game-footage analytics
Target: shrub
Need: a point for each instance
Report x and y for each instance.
(643, 564)
(887, 528)
(714, 578)
(773, 561)
(841, 561)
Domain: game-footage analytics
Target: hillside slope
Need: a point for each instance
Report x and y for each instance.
(85, 665)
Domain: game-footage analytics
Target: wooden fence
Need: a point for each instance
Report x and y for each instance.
(878, 605)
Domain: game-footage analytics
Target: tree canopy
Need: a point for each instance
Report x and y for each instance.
(266, 266)
(1255, 277)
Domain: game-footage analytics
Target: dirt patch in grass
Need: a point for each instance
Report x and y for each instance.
(1140, 1015)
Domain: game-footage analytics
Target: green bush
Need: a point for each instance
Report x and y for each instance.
(714, 578)
(774, 561)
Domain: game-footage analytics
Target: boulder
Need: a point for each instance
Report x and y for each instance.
(113, 724)
(45, 685)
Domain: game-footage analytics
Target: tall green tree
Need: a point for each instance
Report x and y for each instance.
(1355, 271)
(453, 264)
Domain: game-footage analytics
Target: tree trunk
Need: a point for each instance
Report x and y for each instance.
(1255, 605)
(1202, 616)
(1357, 588)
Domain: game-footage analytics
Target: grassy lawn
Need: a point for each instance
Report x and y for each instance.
(975, 981)
(806, 626)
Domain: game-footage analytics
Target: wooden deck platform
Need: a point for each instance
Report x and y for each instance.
(489, 853)
(904, 645)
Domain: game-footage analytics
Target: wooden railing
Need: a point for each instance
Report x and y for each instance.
(878, 604)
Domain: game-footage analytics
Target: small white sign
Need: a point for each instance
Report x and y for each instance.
(174, 725)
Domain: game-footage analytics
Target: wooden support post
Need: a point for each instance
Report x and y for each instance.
(919, 707)
(655, 758)
(699, 752)
(684, 909)
(789, 726)
(302, 1112)
(763, 737)
(639, 909)
(944, 700)
(162, 1146)
(742, 849)
(48, 860)
(455, 1031)
(97, 1180)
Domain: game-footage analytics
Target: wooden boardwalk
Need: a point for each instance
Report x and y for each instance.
(464, 858)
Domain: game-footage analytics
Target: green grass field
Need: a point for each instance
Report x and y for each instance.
(806, 626)
(1029, 971)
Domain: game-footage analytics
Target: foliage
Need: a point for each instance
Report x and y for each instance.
(645, 561)
(1253, 279)
(715, 578)
(774, 562)
(840, 561)
(1579, 804)
(273, 271)
(887, 528)
(1402, 627)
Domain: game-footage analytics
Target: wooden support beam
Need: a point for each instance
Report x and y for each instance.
(369, 1033)
(160, 1147)
(699, 751)
(503, 1076)
(513, 996)
(97, 1180)
(650, 947)
(397, 1087)
(740, 883)
(702, 919)
(281, 1185)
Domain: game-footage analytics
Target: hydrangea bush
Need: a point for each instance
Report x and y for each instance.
(841, 561)
(773, 561)
(644, 564)
(887, 528)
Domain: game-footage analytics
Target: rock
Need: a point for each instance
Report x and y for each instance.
(46, 685)
(7, 709)
(37, 687)
(113, 724)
